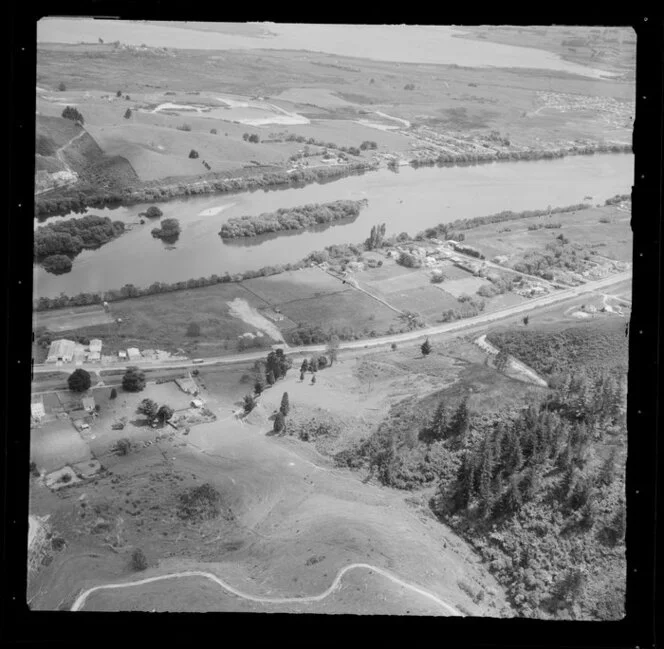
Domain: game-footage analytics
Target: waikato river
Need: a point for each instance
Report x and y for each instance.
(408, 201)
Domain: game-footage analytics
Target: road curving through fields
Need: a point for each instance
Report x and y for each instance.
(79, 602)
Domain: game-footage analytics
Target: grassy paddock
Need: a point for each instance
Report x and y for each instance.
(161, 321)
(349, 309)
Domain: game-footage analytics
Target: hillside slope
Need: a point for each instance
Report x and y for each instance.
(66, 154)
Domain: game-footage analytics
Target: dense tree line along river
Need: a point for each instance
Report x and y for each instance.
(410, 200)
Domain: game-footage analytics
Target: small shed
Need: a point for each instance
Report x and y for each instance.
(95, 345)
(37, 410)
(133, 353)
(197, 403)
(122, 354)
(88, 403)
(94, 357)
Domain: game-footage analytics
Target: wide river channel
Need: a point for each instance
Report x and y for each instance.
(410, 200)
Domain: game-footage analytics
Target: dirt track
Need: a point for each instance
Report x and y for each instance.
(81, 599)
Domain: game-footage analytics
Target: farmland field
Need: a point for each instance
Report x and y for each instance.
(71, 319)
(162, 321)
(294, 285)
(467, 285)
(429, 301)
(349, 309)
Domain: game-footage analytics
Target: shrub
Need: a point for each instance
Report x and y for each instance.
(200, 503)
(123, 446)
(169, 230)
(114, 394)
(279, 422)
(62, 87)
(128, 113)
(57, 264)
(194, 329)
(184, 127)
(152, 212)
(79, 380)
(193, 154)
(249, 403)
(138, 560)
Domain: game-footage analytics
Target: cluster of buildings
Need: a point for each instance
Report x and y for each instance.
(67, 351)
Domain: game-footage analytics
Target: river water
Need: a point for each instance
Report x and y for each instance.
(430, 44)
(410, 200)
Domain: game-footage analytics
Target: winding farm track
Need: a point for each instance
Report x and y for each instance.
(81, 599)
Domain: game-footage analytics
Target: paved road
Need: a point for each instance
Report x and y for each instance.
(80, 600)
(448, 327)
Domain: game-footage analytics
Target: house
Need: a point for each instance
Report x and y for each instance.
(197, 403)
(95, 346)
(61, 350)
(37, 410)
(88, 403)
(133, 353)
(187, 384)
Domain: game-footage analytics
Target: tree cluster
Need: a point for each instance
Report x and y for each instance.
(153, 411)
(294, 218)
(73, 114)
(169, 230)
(376, 238)
(71, 236)
(133, 380)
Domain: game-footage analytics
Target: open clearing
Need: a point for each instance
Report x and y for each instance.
(239, 308)
(71, 319)
(55, 444)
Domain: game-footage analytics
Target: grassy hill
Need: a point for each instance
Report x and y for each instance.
(79, 152)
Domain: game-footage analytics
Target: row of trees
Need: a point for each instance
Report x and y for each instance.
(446, 230)
(493, 156)
(84, 195)
(294, 218)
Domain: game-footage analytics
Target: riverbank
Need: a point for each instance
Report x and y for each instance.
(61, 202)
(79, 198)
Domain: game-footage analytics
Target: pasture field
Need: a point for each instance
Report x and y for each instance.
(468, 285)
(429, 301)
(349, 309)
(162, 321)
(294, 285)
(71, 319)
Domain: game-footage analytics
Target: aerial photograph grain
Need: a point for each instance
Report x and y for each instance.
(331, 319)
